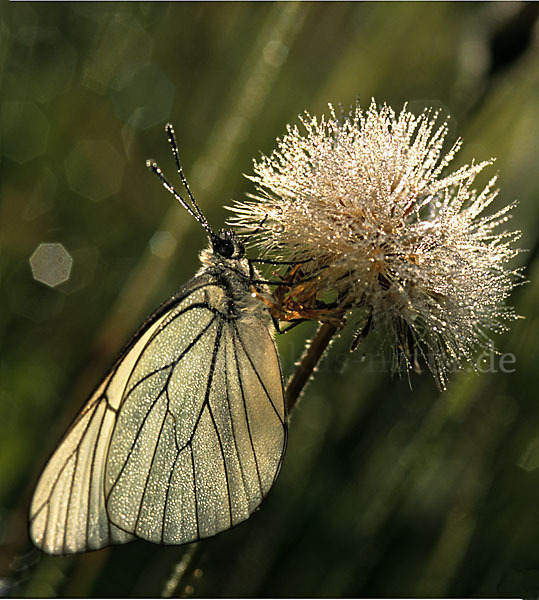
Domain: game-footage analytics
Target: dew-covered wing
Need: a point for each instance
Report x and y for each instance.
(201, 433)
(183, 439)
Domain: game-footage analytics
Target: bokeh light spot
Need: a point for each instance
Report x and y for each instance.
(142, 94)
(275, 53)
(163, 244)
(45, 60)
(94, 169)
(51, 264)
(25, 131)
(123, 37)
(529, 461)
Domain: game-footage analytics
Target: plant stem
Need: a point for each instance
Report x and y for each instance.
(171, 585)
(312, 354)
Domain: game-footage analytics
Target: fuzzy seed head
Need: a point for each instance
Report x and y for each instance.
(364, 201)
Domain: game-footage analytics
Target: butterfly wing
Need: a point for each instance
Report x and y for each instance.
(182, 440)
(67, 513)
(201, 433)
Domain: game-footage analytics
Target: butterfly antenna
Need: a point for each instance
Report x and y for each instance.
(174, 145)
(153, 166)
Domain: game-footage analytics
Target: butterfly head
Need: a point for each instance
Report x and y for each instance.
(227, 245)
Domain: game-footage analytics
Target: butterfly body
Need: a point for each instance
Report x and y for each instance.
(185, 435)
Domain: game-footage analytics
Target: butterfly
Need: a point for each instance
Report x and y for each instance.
(185, 435)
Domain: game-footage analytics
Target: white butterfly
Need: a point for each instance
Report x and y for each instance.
(186, 434)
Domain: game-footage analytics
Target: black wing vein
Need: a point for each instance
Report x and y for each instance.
(77, 455)
(255, 370)
(92, 465)
(195, 490)
(247, 420)
(225, 466)
(150, 408)
(57, 478)
(167, 495)
(204, 405)
(207, 393)
(175, 361)
(145, 487)
(232, 424)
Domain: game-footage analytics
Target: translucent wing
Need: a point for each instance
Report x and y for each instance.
(182, 440)
(67, 513)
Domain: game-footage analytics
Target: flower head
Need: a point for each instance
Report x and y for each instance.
(364, 203)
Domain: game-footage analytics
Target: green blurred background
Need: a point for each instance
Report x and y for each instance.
(388, 488)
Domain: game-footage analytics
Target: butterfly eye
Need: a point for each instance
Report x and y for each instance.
(224, 247)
